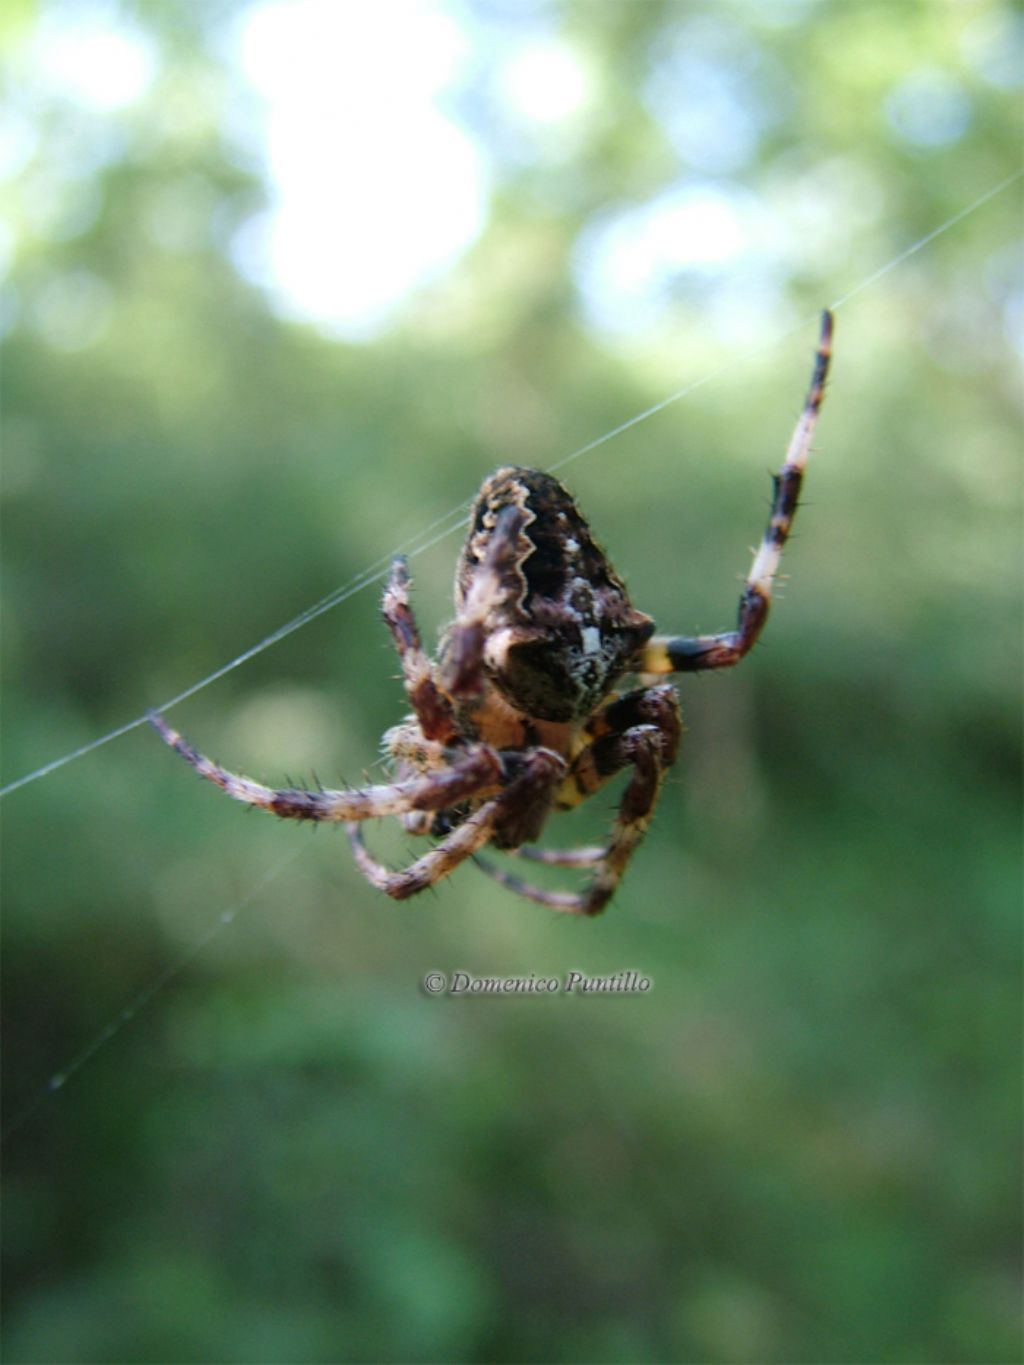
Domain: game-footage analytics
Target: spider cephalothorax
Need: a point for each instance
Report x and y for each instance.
(522, 713)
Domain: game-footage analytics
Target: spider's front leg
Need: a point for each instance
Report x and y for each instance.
(691, 653)
(463, 650)
(474, 772)
(433, 709)
(641, 730)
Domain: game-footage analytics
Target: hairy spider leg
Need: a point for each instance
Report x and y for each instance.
(584, 856)
(599, 757)
(540, 771)
(641, 747)
(463, 653)
(442, 859)
(690, 653)
(433, 709)
(475, 772)
(642, 730)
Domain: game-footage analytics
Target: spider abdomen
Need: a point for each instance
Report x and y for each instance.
(560, 627)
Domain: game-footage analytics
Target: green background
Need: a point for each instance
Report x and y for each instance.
(803, 1143)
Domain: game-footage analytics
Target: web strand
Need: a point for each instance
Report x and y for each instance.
(227, 917)
(431, 535)
(449, 522)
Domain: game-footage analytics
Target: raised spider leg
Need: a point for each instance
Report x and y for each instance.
(649, 743)
(433, 709)
(539, 773)
(462, 668)
(690, 653)
(476, 771)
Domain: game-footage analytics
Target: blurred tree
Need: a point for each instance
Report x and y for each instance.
(803, 1143)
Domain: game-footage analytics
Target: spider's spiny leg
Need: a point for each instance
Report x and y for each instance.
(539, 774)
(418, 822)
(601, 756)
(567, 901)
(649, 746)
(463, 657)
(433, 709)
(585, 856)
(473, 833)
(476, 772)
(690, 653)
(643, 746)
(526, 801)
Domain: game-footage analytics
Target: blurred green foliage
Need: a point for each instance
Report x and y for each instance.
(803, 1144)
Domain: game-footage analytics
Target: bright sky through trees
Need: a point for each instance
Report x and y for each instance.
(374, 188)
(377, 183)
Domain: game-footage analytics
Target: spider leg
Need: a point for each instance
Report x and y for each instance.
(642, 747)
(642, 730)
(585, 856)
(462, 667)
(601, 758)
(475, 771)
(567, 901)
(432, 707)
(541, 770)
(690, 653)
(463, 841)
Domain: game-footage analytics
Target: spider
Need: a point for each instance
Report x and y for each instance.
(522, 713)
